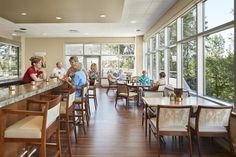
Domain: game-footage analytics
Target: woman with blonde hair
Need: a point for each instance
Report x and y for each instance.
(93, 73)
(35, 72)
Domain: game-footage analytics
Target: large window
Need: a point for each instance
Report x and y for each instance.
(190, 65)
(113, 56)
(161, 61)
(219, 58)
(172, 32)
(9, 61)
(154, 66)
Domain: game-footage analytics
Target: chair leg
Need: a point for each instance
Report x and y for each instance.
(74, 124)
(42, 151)
(231, 145)
(198, 145)
(95, 98)
(158, 145)
(142, 118)
(127, 102)
(107, 90)
(116, 100)
(58, 140)
(68, 135)
(190, 145)
(149, 134)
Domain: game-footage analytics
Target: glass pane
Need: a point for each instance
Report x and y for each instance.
(172, 29)
(161, 61)
(162, 39)
(89, 61)
(109, 49)
(189, 23)
(67, 63)
(127, 49)
(218, 12)
(8, 61)
(109, 63)
(190, 65)
(154, 43)
(219, 70)
(149, 64)
(154, 66)
(74, 49)
(127, 63)
(173, 66)
(92, 49)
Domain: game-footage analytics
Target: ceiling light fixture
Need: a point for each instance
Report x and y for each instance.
(45, 34)
(85, 33)
(58, 18)
(73, 31)
(23, 29)
(138, 30)
(102, 15)
(14, 34)
(133, 21)
(23, 14)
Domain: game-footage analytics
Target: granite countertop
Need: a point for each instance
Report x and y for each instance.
(24, 91)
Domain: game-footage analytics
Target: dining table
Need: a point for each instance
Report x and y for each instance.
(194, 101)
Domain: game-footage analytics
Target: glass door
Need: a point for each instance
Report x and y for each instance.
(88, 60)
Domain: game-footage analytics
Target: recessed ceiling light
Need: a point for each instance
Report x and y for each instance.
(73, 31)
(58, 18)
(14, 34)
(133, 21)
(85, 33)
(23, 29)
(102, 15)
(23, 14)
(45, 34)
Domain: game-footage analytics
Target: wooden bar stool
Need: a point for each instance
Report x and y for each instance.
(37, 125)
(67, 112)
(82, 108)
(92, 92)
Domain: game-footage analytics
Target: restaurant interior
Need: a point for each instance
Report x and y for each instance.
(109, 78)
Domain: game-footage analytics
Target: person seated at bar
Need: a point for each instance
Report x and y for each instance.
(144, 79)
(121, 75)
(111, 77)
(93, 74)
(35, 72)
(161, 82)
(59, 71)
(78, 80)
(73, 66)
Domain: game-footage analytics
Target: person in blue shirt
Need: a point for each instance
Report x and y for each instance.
(79, 79)
(144, 79)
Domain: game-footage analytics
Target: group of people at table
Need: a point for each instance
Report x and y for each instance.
(143, 79)
(75, 75)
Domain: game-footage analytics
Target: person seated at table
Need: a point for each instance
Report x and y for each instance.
(79, 79)
(160, 82)
(73, 66)
(111, 77)
(93, 74)
(144, 79)
(121, 75)
(59, 71)
(35, 72)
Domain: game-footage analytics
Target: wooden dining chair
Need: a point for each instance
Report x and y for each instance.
(212, 122)
(36, 126)
(67, 113)
(123, 92)
(111, 85)
(171, 121)
(92, 92)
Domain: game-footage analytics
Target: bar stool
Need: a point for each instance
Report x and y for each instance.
(82, 108)
(37, 125)
(67, 112)
(92, 92)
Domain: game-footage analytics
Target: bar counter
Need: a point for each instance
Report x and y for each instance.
(25, 91)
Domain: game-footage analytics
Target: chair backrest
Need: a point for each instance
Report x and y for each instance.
(173, 116)
(52, 108)
(161, 87)
(135, 79)
(213, 116)
(185, 94)
(122, 88)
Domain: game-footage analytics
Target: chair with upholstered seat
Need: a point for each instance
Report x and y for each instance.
(40, 121)
(212, 122)
(67, 112)
(123, 92)
(111, 85)
(171, 121)
(92, 92)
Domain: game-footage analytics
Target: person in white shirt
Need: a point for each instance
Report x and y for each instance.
(59, 71)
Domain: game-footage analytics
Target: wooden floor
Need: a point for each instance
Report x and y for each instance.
(117, 132)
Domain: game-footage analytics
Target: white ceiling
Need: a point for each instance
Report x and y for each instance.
(144, 12)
